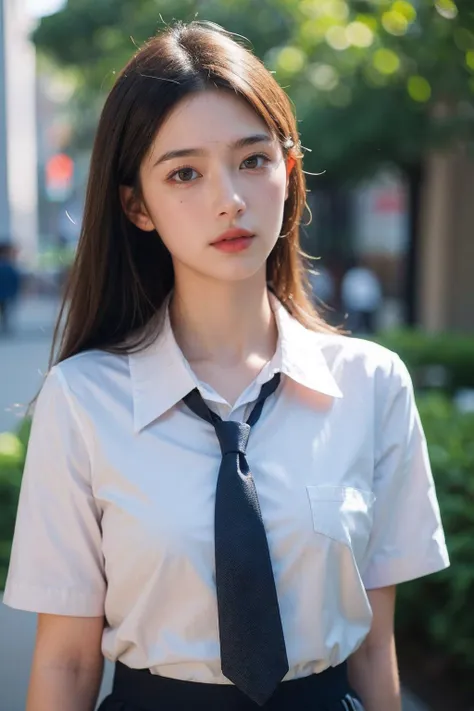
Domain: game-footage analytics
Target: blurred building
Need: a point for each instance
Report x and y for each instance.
(4, 196)
(445, 254)
(36, 200)
(21, 144)
(56, 167)
(427, 274)
(366, 225)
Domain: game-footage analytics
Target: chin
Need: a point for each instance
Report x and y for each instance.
(241, 271)
(227, 268)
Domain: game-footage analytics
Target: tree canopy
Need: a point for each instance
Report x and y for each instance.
(373, 81)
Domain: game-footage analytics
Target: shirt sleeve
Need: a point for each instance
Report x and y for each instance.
(407, 539)
(56, 564)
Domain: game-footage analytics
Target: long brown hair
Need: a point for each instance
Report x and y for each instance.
(120, 279)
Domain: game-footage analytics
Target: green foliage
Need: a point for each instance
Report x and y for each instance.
(12, 459)
(373, 81)
(96, 38)
(449, 357)
(437, 609)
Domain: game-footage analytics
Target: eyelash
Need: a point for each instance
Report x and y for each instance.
(170, 177)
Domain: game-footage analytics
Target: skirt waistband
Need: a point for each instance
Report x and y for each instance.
(148, 692)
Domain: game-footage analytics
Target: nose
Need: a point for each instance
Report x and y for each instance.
(229, 200)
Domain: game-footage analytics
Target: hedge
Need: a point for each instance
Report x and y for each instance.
(443, 361)
(12, 459)
(438, 609)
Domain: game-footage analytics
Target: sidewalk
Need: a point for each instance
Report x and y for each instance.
(24, 357)
(35, 316)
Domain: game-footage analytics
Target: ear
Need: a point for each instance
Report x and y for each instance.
(135, 209)
(290, 164)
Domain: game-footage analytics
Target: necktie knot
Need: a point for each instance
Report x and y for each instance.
(233, 436)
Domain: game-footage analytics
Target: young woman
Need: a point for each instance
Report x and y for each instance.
(221, 491)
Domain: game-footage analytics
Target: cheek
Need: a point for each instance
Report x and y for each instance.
(275, 186)
(273, 192)
(174, 213)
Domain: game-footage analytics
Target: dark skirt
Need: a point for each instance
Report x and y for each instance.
(139, 690)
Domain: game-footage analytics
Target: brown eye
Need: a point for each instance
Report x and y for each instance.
(185, 175)
(256, 161)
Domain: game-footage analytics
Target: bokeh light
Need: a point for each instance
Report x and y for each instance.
(419, 89)
(337, 38)
(446, 9)
(386, 61)
(404, 8)
(470, 59)
(337, 9)
(359, 35)
(290, 60)
(394, 23)
(323, 76)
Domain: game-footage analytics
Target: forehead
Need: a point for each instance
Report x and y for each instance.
(208, 118)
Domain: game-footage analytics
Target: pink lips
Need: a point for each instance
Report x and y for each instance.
(234, 240)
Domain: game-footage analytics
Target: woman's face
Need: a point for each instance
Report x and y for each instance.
(213, 166)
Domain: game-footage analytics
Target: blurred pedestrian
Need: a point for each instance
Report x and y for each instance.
(322, 286)
(361, 297)
(9, 285)
(221, 491)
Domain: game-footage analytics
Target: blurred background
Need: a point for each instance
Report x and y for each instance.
(384, 93)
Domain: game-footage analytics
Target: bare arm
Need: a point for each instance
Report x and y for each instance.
(67, 664)
(373, 668)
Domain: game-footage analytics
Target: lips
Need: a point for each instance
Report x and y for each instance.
(233, 234)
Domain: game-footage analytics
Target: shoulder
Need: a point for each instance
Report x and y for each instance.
(357, 353)
(86, 375)
(362, 362)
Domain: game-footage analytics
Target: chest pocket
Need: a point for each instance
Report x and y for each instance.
(343, 514)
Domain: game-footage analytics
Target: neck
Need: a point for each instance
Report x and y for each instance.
(224, 323)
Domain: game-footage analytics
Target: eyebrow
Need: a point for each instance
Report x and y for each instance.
(240, 143)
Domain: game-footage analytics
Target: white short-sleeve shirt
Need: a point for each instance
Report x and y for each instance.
(116, 509)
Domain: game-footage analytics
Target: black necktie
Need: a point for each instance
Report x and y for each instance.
(253, 652)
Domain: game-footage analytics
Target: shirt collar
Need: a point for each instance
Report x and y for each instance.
(161, 376)
(299, 354)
